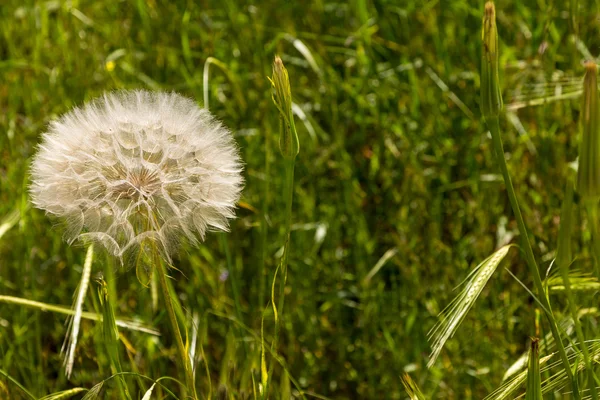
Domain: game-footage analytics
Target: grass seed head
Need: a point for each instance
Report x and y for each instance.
(136, 171)
(588, 172)
(491, 95)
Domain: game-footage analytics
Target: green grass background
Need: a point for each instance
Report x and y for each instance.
(393, 156)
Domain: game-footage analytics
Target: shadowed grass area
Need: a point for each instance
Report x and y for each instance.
(396, 193)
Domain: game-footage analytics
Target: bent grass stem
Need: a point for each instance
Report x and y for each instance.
(494, 127)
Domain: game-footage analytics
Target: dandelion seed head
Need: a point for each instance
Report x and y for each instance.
(136, 169)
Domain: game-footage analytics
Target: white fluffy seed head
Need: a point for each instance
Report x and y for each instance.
(136, 171)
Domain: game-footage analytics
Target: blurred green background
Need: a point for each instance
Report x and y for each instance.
(397, 194)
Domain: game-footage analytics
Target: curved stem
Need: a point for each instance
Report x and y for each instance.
(494, 127)
(185, 361)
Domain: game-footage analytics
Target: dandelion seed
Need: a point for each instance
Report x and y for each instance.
(137, 171)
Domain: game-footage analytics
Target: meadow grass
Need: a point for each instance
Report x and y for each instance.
(397, 197)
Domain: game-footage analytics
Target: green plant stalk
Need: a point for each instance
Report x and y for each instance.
(263, 229)
(109, 278)
(494, 126)
(111, 339)
(592, 209)
(185, 362)
(534, 381)
(563, 261)
(289, 197)
(289, 147)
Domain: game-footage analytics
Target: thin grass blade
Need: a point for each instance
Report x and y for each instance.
(70, 343)
(413, 391)
(64, 394)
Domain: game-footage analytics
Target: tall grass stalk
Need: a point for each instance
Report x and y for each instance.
(563, 259)
(493, 125)
(491, 106)
(592, 212)
(289, 147)
(588, 172)
(534, 381)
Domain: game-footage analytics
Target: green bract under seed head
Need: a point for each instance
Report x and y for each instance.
(588, 172)
(288, 141)
(491, 96)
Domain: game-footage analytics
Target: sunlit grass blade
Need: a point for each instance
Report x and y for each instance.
(233, 80)
(264, 373)
(530, 85)
(193, 327)
(127, 324)
(9, 221)
(148, 393)
(413, 391)
(454, 313)
(380, 263)
(64, 394)
(70, 343)
(94, 392)
(580, 281)
(554, 89)
(539, 101)
(17, 384)
(301, 47)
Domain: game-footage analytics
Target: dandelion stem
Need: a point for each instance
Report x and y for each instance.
(185, 361)
(493, 125)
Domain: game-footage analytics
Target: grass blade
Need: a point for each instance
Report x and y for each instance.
(411, 388)
(9, 221)
(64, 394)
(127, 324)
(70, 343)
